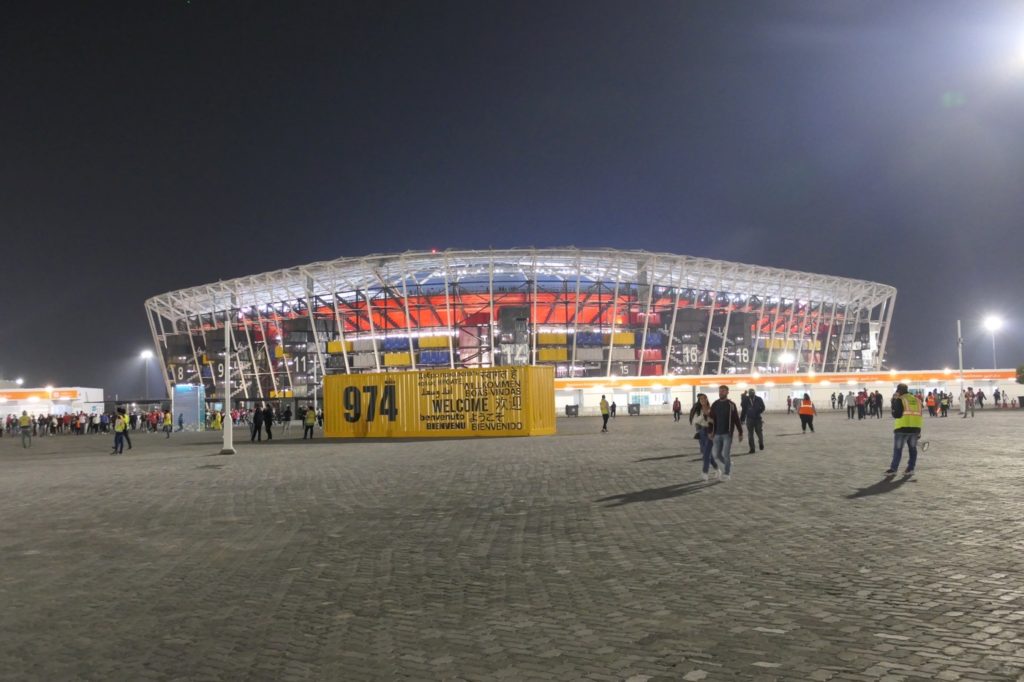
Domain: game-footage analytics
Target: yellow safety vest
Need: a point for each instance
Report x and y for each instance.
(310, 418)
(24, 421)
(604, 407)
(911, 413)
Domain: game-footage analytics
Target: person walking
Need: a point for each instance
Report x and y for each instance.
(751, 410)
(700, 418)
(25, 429)
(308, 422)
(605, 410)
(168, 423)
(611, 409)
(677, 410)
(268, 420)
(286, 419)
(789, 404)
(833, 400)
(967, 399)
(806, 412)
(181, 421)
(906, 410)
(257, 424)
(725, 418)
(851, 406)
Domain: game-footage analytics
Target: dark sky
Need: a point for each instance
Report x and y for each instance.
(149, 146)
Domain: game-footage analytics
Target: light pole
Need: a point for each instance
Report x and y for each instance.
(146, 355)
(993, 323)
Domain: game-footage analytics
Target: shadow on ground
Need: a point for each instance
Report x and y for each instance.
(886, 485)
(654, 494)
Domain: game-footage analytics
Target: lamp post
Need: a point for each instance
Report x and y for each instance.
(993, 323)
(146, 355)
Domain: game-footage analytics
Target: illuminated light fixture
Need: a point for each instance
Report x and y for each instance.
(993, 323)
(769, 384)
(786, 358)
(33, 399)
(49, 387)
(19, 381)
(756, 375)
(825, 382)
(892, 372)
(146, 354)
(851, 382)
(947, 371)
(798, 383)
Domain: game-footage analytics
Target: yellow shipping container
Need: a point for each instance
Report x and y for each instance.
(493, 401)
(621, 338)
(278, 351)
(552, 354)
(434, 341)
(338, 347)
(552, 339)
(397, 359)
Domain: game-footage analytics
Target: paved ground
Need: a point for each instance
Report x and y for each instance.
(578, 556)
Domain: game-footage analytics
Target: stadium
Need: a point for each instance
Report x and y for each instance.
(599, 316)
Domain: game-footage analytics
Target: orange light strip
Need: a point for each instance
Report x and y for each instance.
(806, 379)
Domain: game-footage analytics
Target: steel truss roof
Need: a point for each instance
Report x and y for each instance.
(379, 271)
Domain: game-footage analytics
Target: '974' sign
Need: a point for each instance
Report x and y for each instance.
(383, 405)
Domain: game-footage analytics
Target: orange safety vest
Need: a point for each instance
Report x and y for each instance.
(931, 401)
(806, 407)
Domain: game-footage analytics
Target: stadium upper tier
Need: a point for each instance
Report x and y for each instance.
(589, 312)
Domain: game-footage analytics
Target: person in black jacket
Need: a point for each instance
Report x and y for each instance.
(257, 424)
(268, 420)
(725, 418)
(751, 409)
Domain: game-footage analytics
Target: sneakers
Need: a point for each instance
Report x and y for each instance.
(908, 472)
(718, 474)
(703, 477)
(750, 452)
(890, 472)
(725, 477)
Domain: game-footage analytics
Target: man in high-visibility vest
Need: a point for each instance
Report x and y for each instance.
(25, 427)
(604, 414)
(308, 422)
(906, 409)
(120, 427)
(806, 412)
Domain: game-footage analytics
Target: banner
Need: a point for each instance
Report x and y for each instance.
(496, 401)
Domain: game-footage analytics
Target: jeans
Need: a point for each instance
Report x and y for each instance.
(705, 450)
(721, 449)
(755, 426)
(26, 437)
(119, 442)
(604, 424)
(898, 439)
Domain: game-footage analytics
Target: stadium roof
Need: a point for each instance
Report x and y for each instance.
(511, 267)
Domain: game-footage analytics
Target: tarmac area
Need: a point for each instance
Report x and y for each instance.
(576, 556)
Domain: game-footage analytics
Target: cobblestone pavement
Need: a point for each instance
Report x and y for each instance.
(577, 556)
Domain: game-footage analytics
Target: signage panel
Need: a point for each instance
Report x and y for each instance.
(495, 401)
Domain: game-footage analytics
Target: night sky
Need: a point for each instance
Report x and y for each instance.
(150, 146)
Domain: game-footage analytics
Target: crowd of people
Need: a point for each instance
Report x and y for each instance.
(122, 423)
